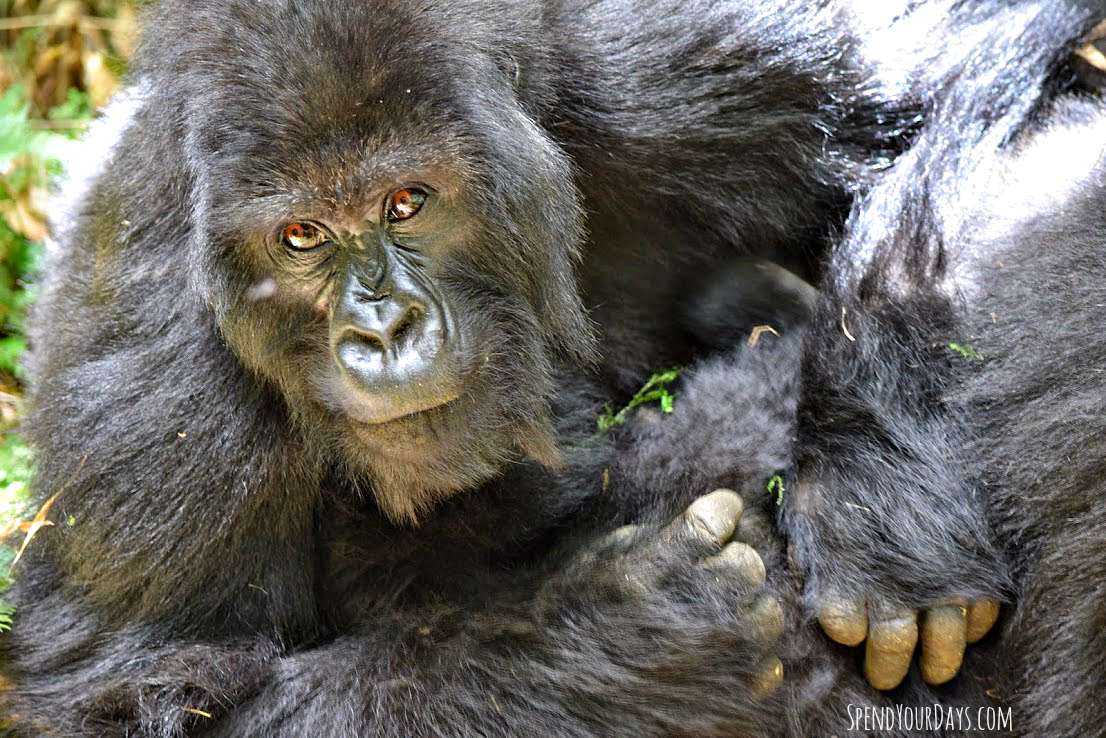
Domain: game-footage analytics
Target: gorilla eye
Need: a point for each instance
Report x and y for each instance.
(303, 236)
(404, 204)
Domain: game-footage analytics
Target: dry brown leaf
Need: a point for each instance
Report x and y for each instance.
(98, 79)
(38, 523)
(126, 30)
(24, 219)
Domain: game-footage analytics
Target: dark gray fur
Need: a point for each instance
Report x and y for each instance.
(933, 474)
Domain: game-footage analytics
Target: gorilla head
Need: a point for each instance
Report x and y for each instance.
(384, 233)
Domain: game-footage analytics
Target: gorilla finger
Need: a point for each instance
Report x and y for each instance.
(740, 562)
(768, 677)
(891, 642)
(982, 615)
(708, 523)
(767, 614)
(944, 638)
(844, 619)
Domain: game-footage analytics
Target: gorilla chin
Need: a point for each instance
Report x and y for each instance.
(416, 461)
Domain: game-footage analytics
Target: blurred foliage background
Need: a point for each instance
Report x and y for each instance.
(60, 60)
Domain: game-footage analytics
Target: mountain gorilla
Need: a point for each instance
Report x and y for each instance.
(315, 385)
(297, 355)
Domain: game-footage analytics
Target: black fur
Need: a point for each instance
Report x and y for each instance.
(927, 466)
(234, 566)
(1034, 405)
(242, 557)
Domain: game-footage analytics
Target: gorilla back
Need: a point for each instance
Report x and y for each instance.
(325, 280)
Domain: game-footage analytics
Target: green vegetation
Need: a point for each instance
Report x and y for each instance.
(775, 487)
(654, 390)
(966, 350)
(59, 60)
(30, 161)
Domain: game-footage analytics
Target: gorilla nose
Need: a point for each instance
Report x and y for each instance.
(389, 329)
(389, 347)
(392, 347)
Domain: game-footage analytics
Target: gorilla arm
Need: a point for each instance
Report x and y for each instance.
(886, 517)
(629, 639)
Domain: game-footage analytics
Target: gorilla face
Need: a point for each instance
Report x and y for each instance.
(391, 246)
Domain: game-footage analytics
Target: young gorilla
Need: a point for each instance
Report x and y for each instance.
(319, 290)
(324, 289)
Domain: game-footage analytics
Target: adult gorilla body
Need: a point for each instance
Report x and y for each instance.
(324, 288)
(987, 233)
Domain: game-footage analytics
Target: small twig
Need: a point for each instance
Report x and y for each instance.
(845, 328)
(53, 125)
(1091, 55)
(758, 331)
(24, 22)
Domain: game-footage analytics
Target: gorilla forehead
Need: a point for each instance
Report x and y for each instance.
(300, 92)
(350, 97)
(328, 58)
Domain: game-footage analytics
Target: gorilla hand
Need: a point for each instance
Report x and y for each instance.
(683, 572)
(650, 631)
(885, 519)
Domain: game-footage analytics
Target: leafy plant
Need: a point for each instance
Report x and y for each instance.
(58, 60)
(775, 487)
(654, 390)
(30, 161)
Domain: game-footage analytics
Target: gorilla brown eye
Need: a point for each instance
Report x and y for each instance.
(303, 236)
(404, 204)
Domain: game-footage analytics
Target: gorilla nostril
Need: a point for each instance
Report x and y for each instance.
(406, 324)
(372, 341)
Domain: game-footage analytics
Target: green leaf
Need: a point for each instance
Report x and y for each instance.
(77, 106)
(775, 487)
(11, 349)
(7, 616)
(15, 476)
(654, 390)
(965, 350)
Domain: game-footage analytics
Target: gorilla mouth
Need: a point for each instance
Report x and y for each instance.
(385, 404)
(374, 411)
